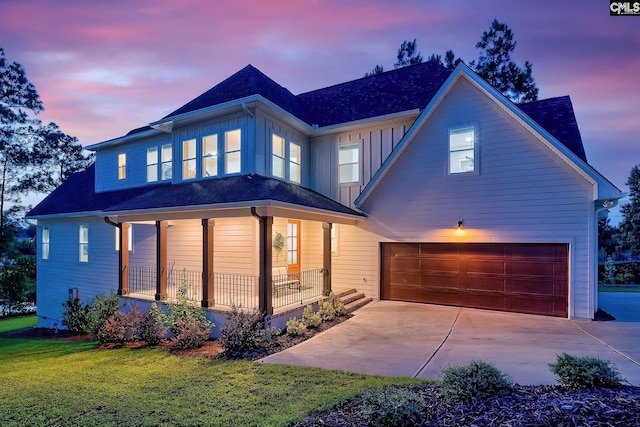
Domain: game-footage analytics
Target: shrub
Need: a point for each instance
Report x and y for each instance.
(326, 311)
(338, 305)
(184, 318)
(74, 316)
(295, 327)
(122, 327)
(309, 318)
(477, 380)
(151, 331)
(390, 407)
(99, 311)
(584, 372)
(242, 333)
(191, 335)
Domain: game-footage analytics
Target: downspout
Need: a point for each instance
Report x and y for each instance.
(115, 224)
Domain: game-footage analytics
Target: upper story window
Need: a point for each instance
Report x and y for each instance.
(210, 155)
(122, 166)
(285, 159)
(152, 164)
(188, 159)
(45, 243)
(462, 150)
(294, 162)
(84, 243)
(348, 164)
(277, 156)
(232, 152)
(166, 167)
(159, 162)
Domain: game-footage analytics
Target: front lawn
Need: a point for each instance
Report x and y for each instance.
(73, 383)
(12, 323)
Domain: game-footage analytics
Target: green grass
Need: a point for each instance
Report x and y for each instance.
(13, 323)
(635, 288)
(57, 383)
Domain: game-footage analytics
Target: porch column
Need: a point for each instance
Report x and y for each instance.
(326, 257)
(265, 293)
(208, 297)
(161, 260)
(123, 260)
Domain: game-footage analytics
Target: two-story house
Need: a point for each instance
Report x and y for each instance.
(418, 184)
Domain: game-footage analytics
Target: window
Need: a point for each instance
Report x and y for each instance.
(122, 166)
(45, 243)
(294, 162)
(189, 159)
(166, 167)
(462, 150)
(130, 243)
(278, 156)
(210, 155)
(152, 164)
(84, 243)
(232, 152)
(348, 164)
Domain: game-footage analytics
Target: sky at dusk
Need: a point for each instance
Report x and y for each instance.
(103, 68)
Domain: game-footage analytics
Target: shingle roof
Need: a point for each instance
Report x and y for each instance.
(77, 195)
(556, 116)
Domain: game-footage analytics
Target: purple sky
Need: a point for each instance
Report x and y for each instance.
(103, 68)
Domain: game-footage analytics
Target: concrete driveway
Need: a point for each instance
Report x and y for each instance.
(418, 340)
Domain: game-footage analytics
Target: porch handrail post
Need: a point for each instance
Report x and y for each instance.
(265, 291)
(123, 259)
(161, 260)
(326, 257)
(208, 295)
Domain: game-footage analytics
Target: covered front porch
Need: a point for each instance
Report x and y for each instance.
(267, 258)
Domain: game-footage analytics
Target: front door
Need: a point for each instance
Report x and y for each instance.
(293, 246)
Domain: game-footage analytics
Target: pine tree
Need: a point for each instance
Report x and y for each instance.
(408, 54)
(629, 229)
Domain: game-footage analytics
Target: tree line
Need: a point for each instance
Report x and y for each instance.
(34, 157)
(494, 63)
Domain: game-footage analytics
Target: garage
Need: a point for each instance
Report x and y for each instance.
(524, 277)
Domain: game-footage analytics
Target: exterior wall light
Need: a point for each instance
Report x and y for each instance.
(460, 222)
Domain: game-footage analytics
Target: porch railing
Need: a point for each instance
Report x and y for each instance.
(295, 288)
(230, 289)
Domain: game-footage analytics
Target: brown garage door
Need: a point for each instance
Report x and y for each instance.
(525, 278)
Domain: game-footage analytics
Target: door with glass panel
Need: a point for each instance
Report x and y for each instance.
(293, 246)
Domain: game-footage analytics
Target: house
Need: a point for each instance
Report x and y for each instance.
(419, 184)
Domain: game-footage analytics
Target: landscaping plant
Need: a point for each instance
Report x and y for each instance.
(476, 380)
(243, 332)
(74, 316)
(584, 372)
(310, 318)
(295, 327)
(99, 311)
(392, 407)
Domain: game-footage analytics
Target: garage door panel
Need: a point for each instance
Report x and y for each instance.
(528, 278)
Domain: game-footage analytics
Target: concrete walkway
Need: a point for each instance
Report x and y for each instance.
(418, 340)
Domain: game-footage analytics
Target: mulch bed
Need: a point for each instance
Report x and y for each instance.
(526, 406)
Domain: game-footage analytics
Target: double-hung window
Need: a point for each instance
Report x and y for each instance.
(210, 155)
(278, 156)
(122, 166)
(166, 167)
(188, 159)
(462, 150)
(152, 164)
(83, 247)
(294, 162)
(232, 152)
(45, 243)
(349, 164)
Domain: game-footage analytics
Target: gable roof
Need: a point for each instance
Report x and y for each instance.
(77, 196)
(557, 117)
(603, 188)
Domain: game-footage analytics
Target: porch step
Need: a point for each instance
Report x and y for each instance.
(353, 300)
